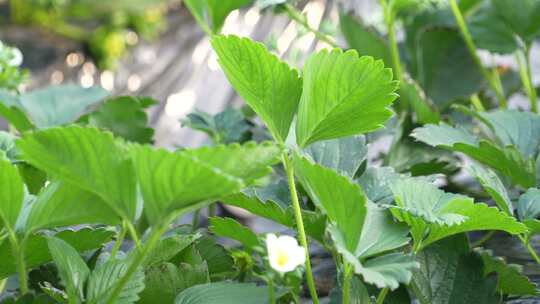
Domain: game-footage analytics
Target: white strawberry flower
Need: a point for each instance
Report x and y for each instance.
(284, 253)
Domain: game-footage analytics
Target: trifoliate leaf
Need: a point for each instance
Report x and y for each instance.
(270, 87)
(225, 127)
(343, 95)
(87, 157)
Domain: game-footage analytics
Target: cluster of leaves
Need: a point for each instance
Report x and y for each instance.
(102, 26)
(89, 206)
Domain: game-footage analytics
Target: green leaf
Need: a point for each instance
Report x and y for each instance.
(528, 206)
(12, 194)
(248, 162)
(270, 87)
(168, 247)
(211, 14)
(72, 269)
(439, 214)
(344, 155)
(376, 184)
(7, 145)
(224, 293)
(388, 270)
(493, 185)
(229, 228)
(515, 128)
(10, 109)
(445, 69)
(105, 276)
(164, 281)
(178, 181)
(343, 95)
(220, 263)
(37, 253)
(91, 159)
(225, 127)
(60, 204)
(489, 32)
(52, 106)
(448, 274)
(125, 117)
(366, 40)
(508, 160)
(337, 196)
(510, 279)
(522, 18)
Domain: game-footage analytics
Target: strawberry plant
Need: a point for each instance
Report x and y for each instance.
(90, 209)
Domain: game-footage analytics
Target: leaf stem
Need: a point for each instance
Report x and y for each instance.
(297, 16)
(347, 276)
(531, 250)
(494, 82)
(133, 234)
(382, 295)
(119, 239)
(522, 58)
(18, 254)
(484, 239)
(300, 225)
(477, 103)
(271, 293)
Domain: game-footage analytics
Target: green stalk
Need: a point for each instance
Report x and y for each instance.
(531, 250)
(494, 82)
(382, 296)
(119, 239)
(271, 293)
(484, 239)
(522, 58)
(477, 103)
(195, 220)
(18, 254)
(347, 276)
(133, 234)
(297, 16)
(300, 226)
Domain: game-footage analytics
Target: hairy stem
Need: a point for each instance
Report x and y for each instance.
(18, 254)
(531, 250)
(347, 276)
(300, 226)
(297, 16)
(119, 239)
(494, 82)
(522, 58)
(382, 296)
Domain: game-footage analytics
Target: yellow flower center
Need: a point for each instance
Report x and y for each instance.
(282, 258)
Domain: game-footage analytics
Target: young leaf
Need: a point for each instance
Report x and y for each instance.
(37, 253)
(494, 187)
(90, 159)
(508, 160)
(344, 155)
(270, 87)
(179, 181)
(12, 194)
(229, 228)
(72, 269)
(224, 293)
(449, 274)
(7, 145)
(430, 210)
(125, 117)
(60, 204)
(510, 279)
(343, 95)
(107, 275)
